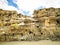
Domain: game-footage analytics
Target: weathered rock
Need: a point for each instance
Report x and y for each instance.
(49, 20)
(16, 27)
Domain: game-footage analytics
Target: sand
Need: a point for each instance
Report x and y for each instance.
(42, 42)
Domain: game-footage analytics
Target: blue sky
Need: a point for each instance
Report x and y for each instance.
(11, 3)
(27, 7)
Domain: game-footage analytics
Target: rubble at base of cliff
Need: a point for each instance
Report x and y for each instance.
(44, 25)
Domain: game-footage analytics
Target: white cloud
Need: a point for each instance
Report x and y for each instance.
(4, 5)
(29, 5)
(52, 3)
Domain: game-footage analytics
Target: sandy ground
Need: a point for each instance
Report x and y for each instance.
(42, 42)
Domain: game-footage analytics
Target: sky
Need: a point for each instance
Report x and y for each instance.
(27, 7)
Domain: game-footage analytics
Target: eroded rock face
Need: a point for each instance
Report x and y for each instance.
(16, 27)
(50, 20)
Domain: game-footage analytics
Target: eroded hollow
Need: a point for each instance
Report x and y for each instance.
(30, 32)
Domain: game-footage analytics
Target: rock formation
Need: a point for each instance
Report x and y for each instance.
(45, 24)
(49, 21)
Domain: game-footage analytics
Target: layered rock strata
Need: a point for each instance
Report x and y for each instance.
(49, 22)
(45, 24)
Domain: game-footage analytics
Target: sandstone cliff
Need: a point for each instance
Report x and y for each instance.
(49, 22)
(45, 24)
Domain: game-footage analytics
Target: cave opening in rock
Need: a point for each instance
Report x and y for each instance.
(30, 32)
(58, 21)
